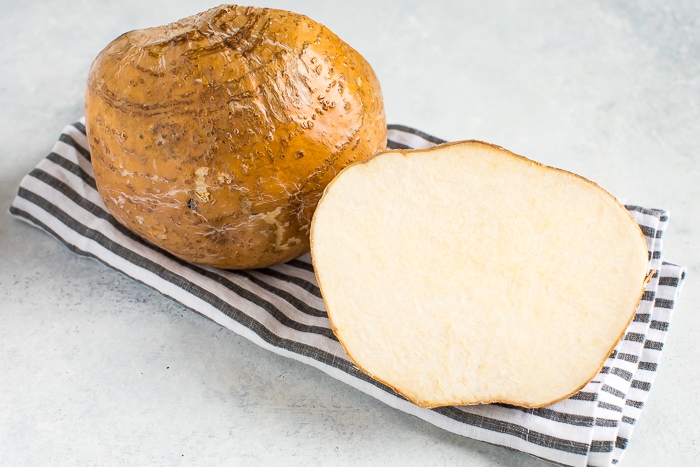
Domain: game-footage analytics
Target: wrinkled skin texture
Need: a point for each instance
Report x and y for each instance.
(214, 137)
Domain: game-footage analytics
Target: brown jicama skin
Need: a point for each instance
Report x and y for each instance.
(214, 137)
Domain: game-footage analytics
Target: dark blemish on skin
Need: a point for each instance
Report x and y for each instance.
(192, 204)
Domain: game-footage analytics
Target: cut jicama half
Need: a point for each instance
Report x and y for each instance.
(466, 274)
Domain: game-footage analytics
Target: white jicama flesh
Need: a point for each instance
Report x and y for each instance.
(465, 274)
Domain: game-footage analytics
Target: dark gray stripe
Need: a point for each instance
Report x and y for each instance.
(613, 391)
(298, 281)
(261, 302)
(585, 396)
(650, 212)
(621, 443)
(71, 194)
(606, 405)
(653, 345)
(634, 337)
(663, 303)
(636, 404)
(413, 131)
(512, 429)
(628, 357)
(301, 265)
(624, 374)
(648, 295)
(648, 366)
(288, 297)
(73, 168)
(669, 281)
(648, 231)
(642, 317)
(643, 385)
(660, 325)
(605, 422)
(554, 415)
(80, 127)
(394, 145)
(601, 446)
(71, 142)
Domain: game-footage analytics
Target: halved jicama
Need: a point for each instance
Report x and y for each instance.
(466, 274)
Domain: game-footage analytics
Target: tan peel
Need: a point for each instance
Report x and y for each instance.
(201, 128)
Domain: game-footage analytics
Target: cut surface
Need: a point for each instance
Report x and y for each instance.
(465, 274)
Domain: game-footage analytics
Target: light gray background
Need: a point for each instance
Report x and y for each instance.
(97, 369)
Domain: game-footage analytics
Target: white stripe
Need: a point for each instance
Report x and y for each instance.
(72, 180)
(575, 407)
(69, 153)
(409, 139)
(302, 294)
(77, 136)
(278, 302)
(294, 271)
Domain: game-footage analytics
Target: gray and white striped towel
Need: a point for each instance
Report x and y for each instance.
(281, 309)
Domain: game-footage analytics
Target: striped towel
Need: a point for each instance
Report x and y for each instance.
(280, 309)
